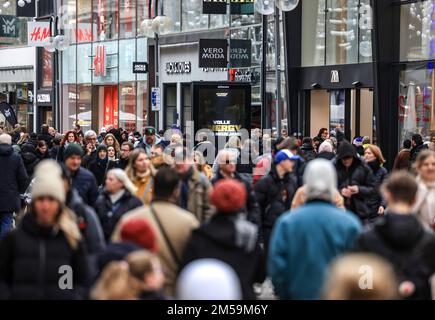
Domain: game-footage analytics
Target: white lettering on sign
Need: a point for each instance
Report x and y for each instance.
(43, 98)
(239, 53)
(178, 67)
(335, 76)
(213, 53)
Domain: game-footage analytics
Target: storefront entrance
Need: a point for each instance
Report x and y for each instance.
(105, 109)
(349, 111)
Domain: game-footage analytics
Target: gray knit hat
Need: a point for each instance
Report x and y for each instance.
(48, 181)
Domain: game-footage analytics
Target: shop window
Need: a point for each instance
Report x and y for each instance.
(192, 17)
(84, 21)
(69, 103)
(105, 62)
(170, 92)
(141, 110)
(417, 29)
(69, 64)
(127, 106)
(84, 106)
(142, 56)
(187, 105)
(127, 54)
(127, 22)
(84, 67)
(219, 21)
(417, 103)
(238, 20)
(336, 32)
(172, 9)
(106, 20)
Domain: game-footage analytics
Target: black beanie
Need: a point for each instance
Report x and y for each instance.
(73, 149)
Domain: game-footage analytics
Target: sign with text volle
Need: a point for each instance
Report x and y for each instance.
(213, 53)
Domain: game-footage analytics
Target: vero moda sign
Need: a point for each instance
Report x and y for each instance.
(213, 53)
(240, 53)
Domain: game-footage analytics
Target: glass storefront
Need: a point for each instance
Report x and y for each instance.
(20, 96)
(336, 32)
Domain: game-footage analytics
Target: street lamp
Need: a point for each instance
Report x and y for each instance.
(268, 7)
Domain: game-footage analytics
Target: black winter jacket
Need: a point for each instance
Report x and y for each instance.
(84, 182)
(359, 174)
(110, 213)
(30, 159)
(252, 210)
(100, 170)
(31, 261)
(376, 200)
(14, 179)
(233, 240)
(416, 151)
(47, 138)
(274, 196)
(308, 152)
(402, 240)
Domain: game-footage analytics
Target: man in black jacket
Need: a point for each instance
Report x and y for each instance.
(229, 237)
(82, 179)
(400, 238)
(227, 161)
(275, 191)
(417, 147)
(356, 182)
(13, 181)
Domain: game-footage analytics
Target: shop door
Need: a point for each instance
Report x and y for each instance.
(345, 112)
(45, 116)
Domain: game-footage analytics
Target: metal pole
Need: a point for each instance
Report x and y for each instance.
(264, 121)
(157, 12)
(278, 71)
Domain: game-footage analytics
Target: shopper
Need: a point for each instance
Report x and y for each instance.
(305, 241)
(14, 180)
(117, 198)
(90, 147)
(100, 165)
(42, 151)
(45, 135)
(402, 160)
(69, 137)
(401, 239)
(110, 141)
(141, 172)
(417, 146)
(30, 158)
(322, 135)
(307, 149)
(126, 149)
(148, 140)
(34, 256)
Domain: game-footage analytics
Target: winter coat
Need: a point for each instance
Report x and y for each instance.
(14, 179)
(145, 188)
(123, 163)
(110, 213)
(48, 138)
(198, 188)
(402, 161)
(99, 170)
(115, 251)
(178, 225)
(308, 152)
(84, 182)
(233, 240)
(30, 159)
(376, 200)
(303, 244)
(89, 226)
(43, 156)
(274, 196)
(425, 204)
(252, 209)
(359, 174)
(416, 151)
(402, 240)
(54, 152)
(88, 158)
(325, 155)
(32, 258)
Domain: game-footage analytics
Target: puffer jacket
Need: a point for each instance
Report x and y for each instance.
(274, 196)
(32, 259)
(402, 240)
(359, 174)
(110, 213)
(30, 158)
(233, 240)
(86, 185)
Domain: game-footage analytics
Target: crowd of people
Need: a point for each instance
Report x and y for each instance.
(134, 216)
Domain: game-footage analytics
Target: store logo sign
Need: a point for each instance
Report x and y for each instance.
(178, 67)
(43, 98)
(214, 6)
(37, 33)
(100, 61)
(335, 76)
(9, 26)
(240, 53)
(213, 53)
(140, 67)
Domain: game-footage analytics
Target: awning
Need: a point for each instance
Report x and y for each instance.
(17, 74)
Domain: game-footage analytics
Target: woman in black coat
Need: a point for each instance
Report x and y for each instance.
(356, 182)
(44, 258)
(30, 158)
(375, 160)
(42, 151)
(99, 166)
(116, 199)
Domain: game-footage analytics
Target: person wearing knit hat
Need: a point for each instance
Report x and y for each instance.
(139, 232)
(73, 149)
(229, 237)
(99, 166)
(117, 198)
(47, 238)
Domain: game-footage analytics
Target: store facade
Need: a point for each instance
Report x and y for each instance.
(363, 66)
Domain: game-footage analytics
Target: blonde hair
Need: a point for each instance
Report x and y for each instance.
(233, 142)
(131, 170)
(344, 281)
(422, 157)
(115, 142)
(377, 153)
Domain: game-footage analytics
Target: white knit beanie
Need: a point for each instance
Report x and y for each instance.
(122, 176)
(320, 179)
(48, 181)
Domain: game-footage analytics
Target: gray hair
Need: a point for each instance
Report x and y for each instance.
(320, 179)
(90, 133)
(5, 139)
(122, 177)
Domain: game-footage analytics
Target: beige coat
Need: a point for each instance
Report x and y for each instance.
(178, 224)
(425, 204)
(198, 201)
(299, 199)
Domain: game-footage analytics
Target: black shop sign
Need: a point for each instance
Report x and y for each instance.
(140, 67)
(240, 53)
(213, 53)
(214, 6)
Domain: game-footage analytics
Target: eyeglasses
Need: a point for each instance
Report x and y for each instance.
(125, 150)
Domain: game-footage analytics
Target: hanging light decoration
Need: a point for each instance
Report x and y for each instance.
(162, 25)
(265, 7)
(287, 5)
